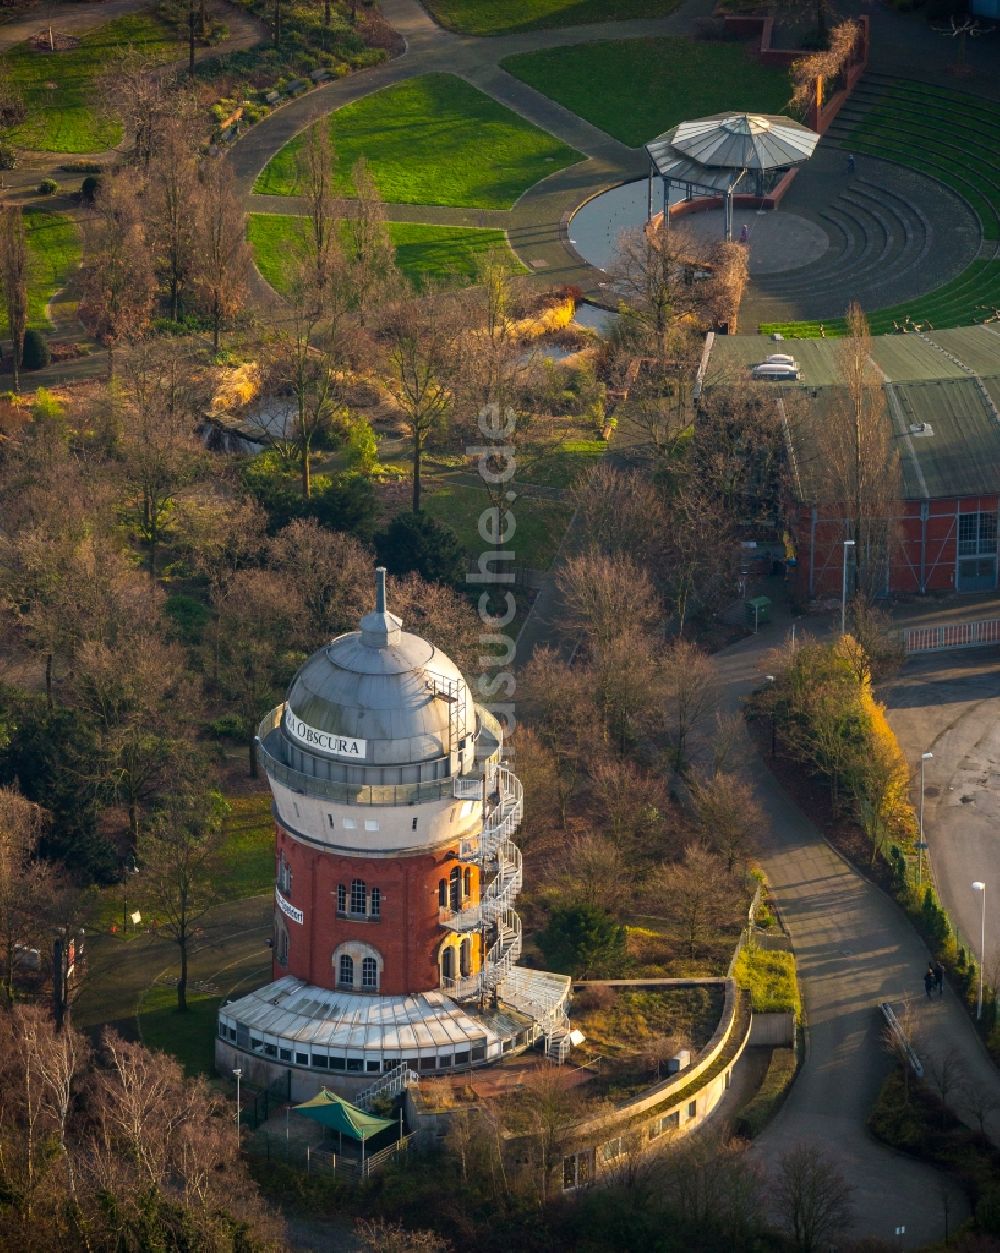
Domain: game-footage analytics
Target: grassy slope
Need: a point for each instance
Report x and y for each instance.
(498, 17)
(432, 140)
(435, 252)
(649, 85)
(189, 1037)
(64, 118)
(540, 523)
(248, 855)
(54, 252)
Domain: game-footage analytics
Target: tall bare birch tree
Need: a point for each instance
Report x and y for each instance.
(857, 450)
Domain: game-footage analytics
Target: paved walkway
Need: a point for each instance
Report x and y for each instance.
(854, 948)
(535, 225)
(947, 704)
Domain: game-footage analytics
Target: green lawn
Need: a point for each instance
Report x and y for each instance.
(436, 252)
(637, 88)
(58, 88)
(248, 854)
(431, 140)
(54, 253)
(501, 17)
(562, 465)
(189, 1037)
(540, 524)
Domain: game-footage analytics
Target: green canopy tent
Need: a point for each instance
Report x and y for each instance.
(338, 1115)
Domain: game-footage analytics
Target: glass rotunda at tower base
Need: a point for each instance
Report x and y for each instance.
(396, 875)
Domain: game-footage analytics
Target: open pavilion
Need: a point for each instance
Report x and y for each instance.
(715, 158)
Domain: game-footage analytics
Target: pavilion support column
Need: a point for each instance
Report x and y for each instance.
(666, 199)
(728, 236)
(649, 194)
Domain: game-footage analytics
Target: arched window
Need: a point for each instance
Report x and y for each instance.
(468, 882)
(448, 963)
(346, 974)
(455, 888)
(465, 957)
(358, 895)
(376, 902)
(284, 876)
(280, 941)
(442, 893)
(341, 898)
(369, 974)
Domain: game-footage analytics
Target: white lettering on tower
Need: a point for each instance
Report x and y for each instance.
(325, 741)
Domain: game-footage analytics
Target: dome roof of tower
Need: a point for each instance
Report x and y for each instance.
(379, 696)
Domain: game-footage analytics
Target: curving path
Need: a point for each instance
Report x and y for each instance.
(535, 224)
(854, 948)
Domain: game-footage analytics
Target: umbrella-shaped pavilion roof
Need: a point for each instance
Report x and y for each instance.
(707, 150)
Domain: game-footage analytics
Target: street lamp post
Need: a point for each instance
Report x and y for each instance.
(921, 845)
(979, 886)
(128, 867)
(848, 543)
(237, 1073)
(770, 682)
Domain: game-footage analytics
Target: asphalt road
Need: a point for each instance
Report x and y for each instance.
(949, 704)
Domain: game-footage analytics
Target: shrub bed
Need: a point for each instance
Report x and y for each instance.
(769, 977)
(917, 1122)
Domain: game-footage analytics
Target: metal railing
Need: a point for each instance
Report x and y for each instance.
(503, 953)
(466, 787)
(931, 639)
(390, 1084)
(499, 895)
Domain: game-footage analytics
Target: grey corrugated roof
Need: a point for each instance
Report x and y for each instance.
(707, 150)
(960, 457)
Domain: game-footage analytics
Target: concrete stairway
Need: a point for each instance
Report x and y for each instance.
(883, 223)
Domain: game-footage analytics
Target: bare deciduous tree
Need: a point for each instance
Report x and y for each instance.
(171, 199)
(690, 692)
(423, 336)
(857, 450)
(607, 595)
(161, 453)
(373, 277)
(619, 511)
(180, 872)
(223, 253)
(729, 817)
(118, 282)
(697, 893)
(22, 879)
(257, 617)
(333, 572)
(14, 269)
(316, 160)
(813, 1197)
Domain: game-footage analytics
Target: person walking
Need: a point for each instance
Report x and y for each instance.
(939, 978)
(929, 980)
(851, 163)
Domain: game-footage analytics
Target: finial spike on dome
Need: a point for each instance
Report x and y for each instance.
(380, 629)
